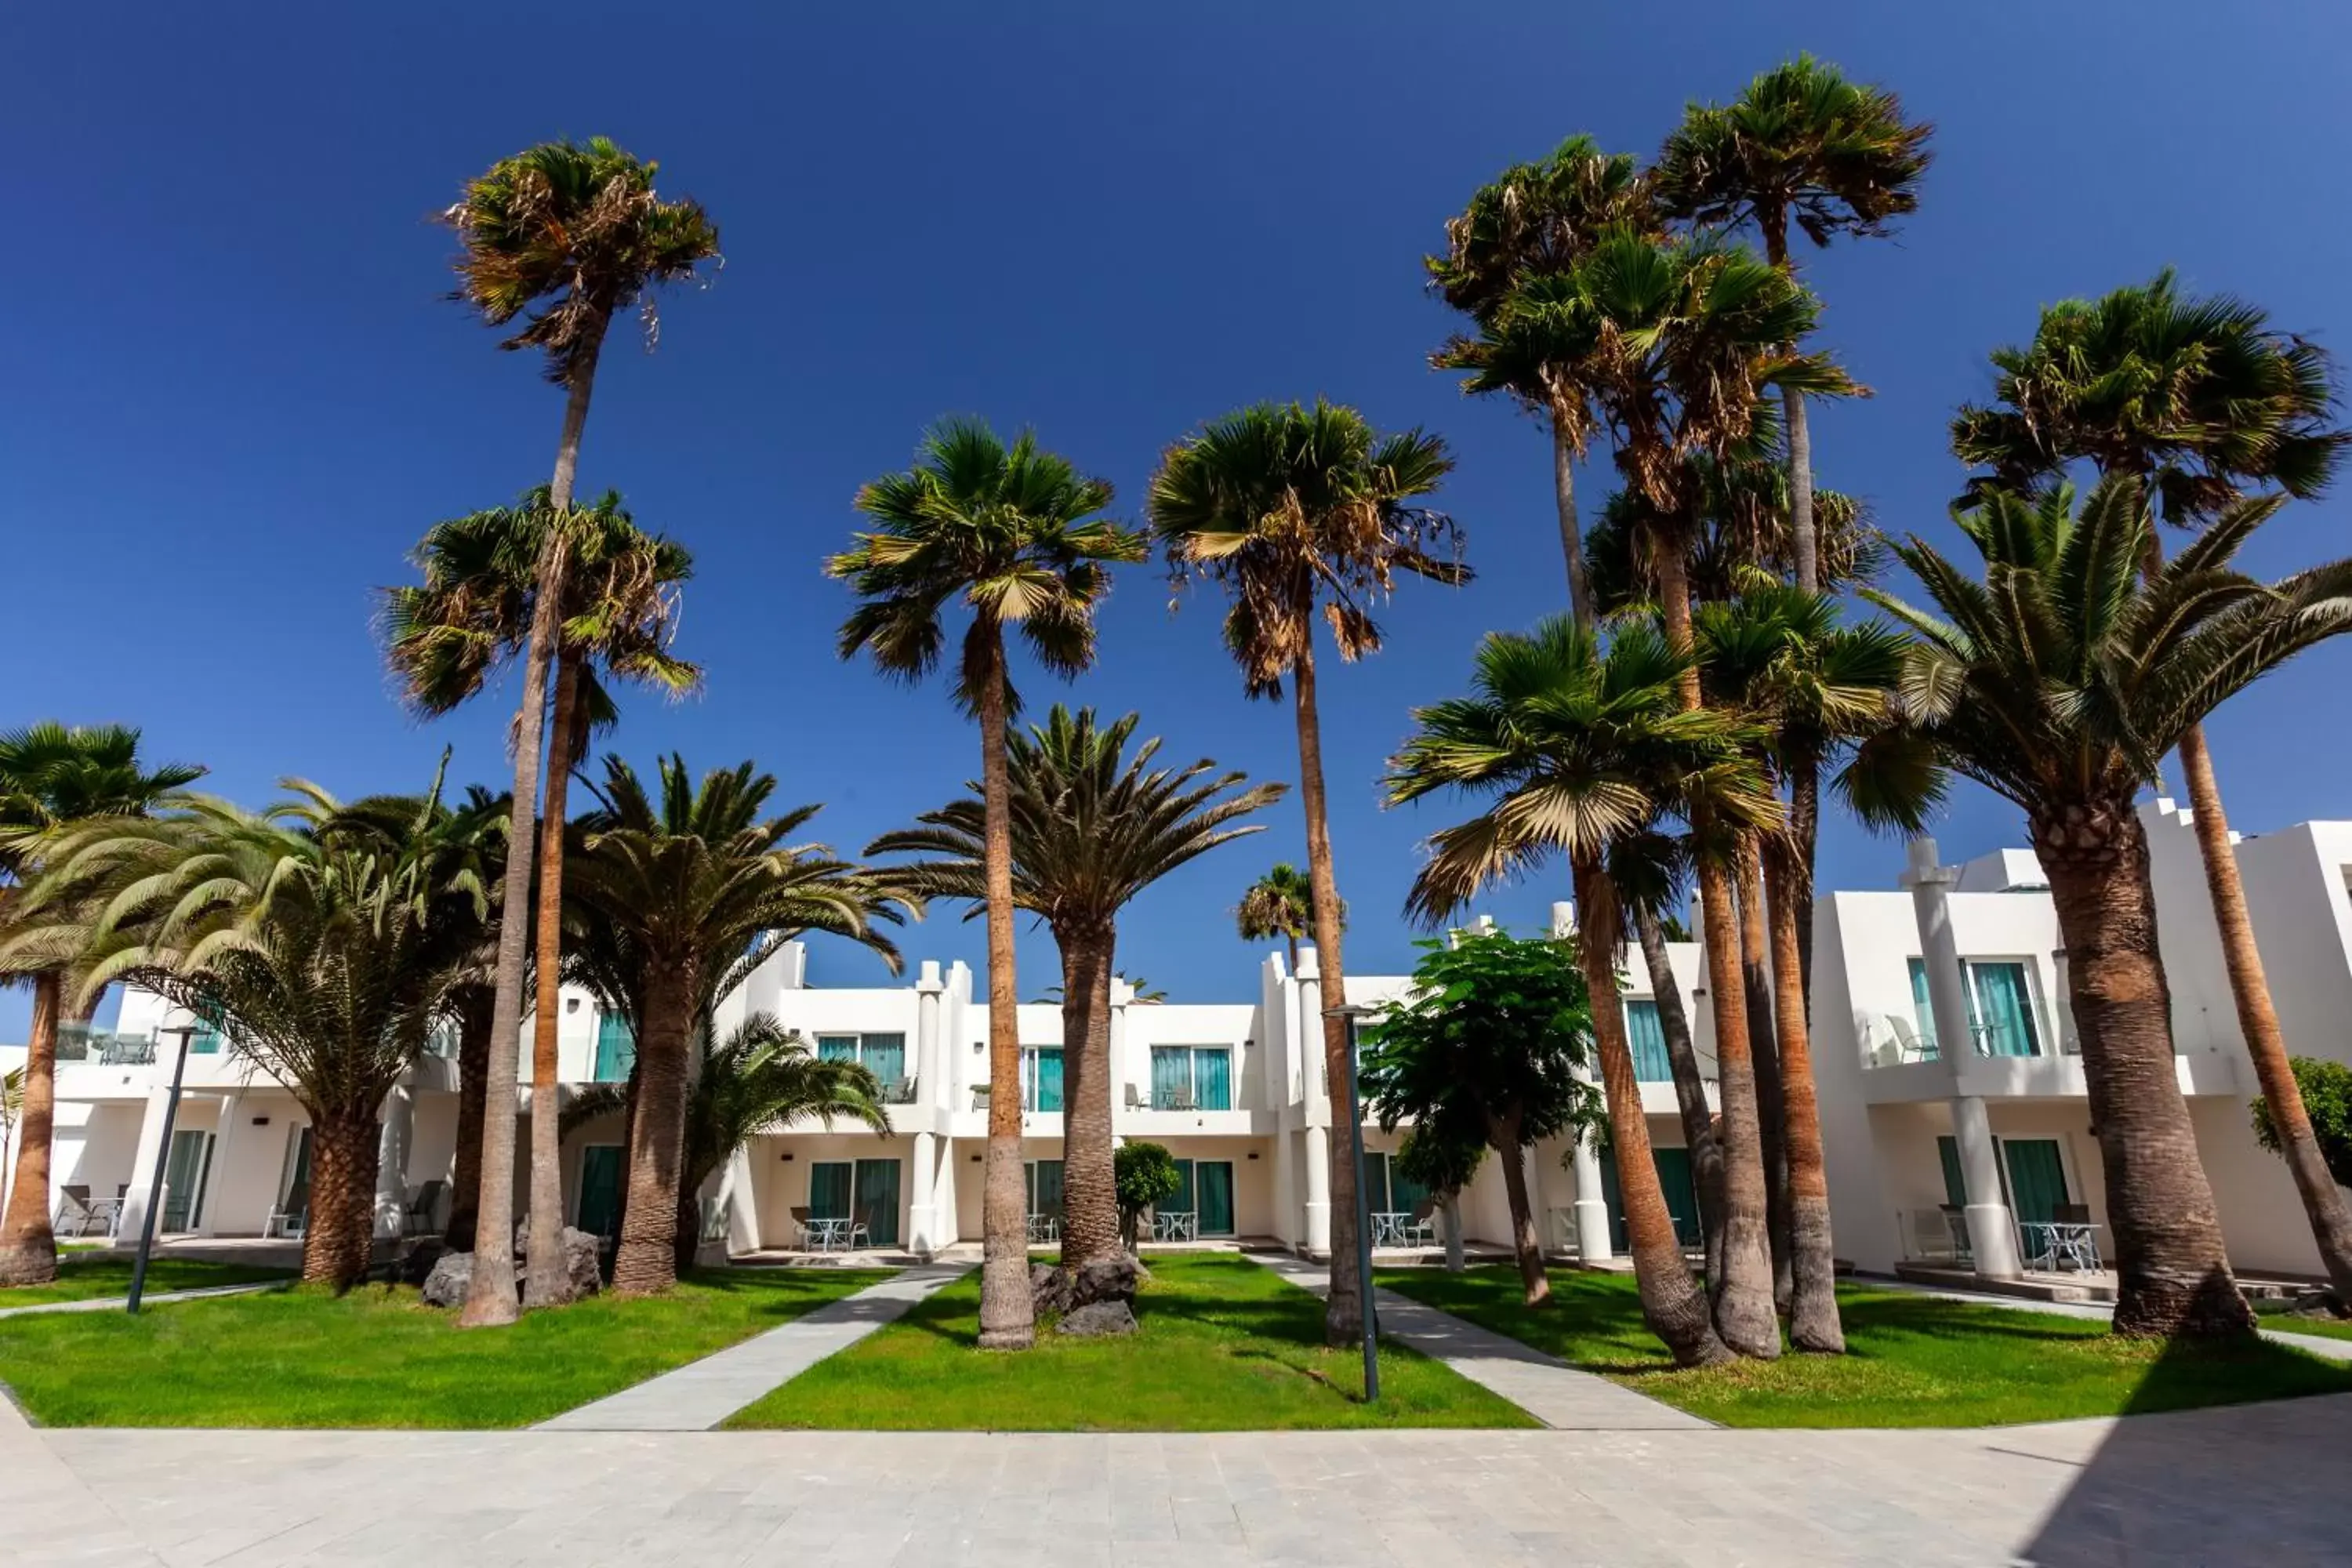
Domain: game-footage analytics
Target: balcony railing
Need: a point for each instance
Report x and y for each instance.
(80, 1042)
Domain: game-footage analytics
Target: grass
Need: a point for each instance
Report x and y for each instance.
(1226, 1345)
(91, 1277)
(380, 1357)
(2275, 1316)
(1914, 1360)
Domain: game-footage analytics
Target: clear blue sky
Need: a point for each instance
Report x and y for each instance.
(233, 395)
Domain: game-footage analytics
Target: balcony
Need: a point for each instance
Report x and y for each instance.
(80, 1043)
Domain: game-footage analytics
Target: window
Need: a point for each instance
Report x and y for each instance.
(1041, 1079)
(1045, 1183)
(1999, 999)
(1923, 1014)
(1191, 1078)
(884, 1056)
(864, 1190)
(1207, 1195)
(1648, 1039)
(616, 1049)
(1387, 1190)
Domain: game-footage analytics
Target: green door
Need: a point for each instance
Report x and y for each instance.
(878, 1200)
(600, 1189)
(1045, 1188)
(2037, 1179)
(1213, 1181)
(183, 1180)
(1955, 1186)
(1675, 1175)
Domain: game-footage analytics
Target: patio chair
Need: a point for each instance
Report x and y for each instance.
(2079, 1247)
(75, 1216)
(1134, 1101)
(420, 1217)
(980, 1097)
(290, 1224)
(1420, 1228)
(800, 1218)
(901, 1092)
(861, 1229)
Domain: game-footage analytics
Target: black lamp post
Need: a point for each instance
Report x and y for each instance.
(163, 1160)
(1355, 1014)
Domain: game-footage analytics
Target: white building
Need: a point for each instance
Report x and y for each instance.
(1996, 1133)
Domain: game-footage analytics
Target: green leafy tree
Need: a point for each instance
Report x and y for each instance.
(562, 237)
(1093, 825)
(1303, 514)
(1442, 1160)
(1492, 1034)
(2057, 681)
(1280, 903)
(1146, 1176)
(1014, 532)
(2327, 1090)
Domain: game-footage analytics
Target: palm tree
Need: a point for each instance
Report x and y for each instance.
(1805, 143)
(472, 614)
(1299, 512)
(1014, 531)
(761, 1078)
(2058, 682)
(561, 235)
(1280, 903)
(51, 774)
(325, 937)
(1533, 220)
(679, 895)
(2196, 399)
(1582, 748)
(1092, 827)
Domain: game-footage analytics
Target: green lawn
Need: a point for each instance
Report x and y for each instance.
(84, 1277)
(1914, 1361)
(1226, 1344)
(380, 1357)
(2290, 1323)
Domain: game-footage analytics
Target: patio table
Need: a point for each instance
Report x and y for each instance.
(2057, 1244)
(825, 1235)
(1388, 1227)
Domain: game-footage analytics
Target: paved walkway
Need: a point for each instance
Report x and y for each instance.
(1546, 1388)
(701, 1394)
(152, 1299)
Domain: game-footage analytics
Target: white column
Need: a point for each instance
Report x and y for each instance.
(1930, 884)
(1991, 1236)
(225, 1135)
(1319, 1189)
(1122, 996)
(2062, 1002)
(1316, 1096)
(150, 1151)
(922, 1198)
(922, 1206)
(741, 1193)
(399, 1125)
(1591, 1207)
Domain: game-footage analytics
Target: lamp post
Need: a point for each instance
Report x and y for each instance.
(1355, 1013)
(163, 1160)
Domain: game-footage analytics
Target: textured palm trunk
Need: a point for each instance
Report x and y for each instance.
(1572, 532)
(544, 1272)
(1344, 1306)
(1527, 1246)
(491, 1298)
(1673, 1305)
(1771, 1101)
(2172, 1271)
(647, 1259)
(339, 1241)
(1804, 834)
(473, 1062)
(2323, 1201)
(29, 1247)
(1089, 1185)
(1008, 1313)
(1813, 1323)
(1690, 1086)
(1803, 540)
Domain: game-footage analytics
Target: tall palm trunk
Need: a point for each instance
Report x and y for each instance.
(29, 1247)
(1804, 542)
(1771, 1105)
(1690, 1086)
(647, 1261)
(1673, 1305)
(1813, 1323)
(1344, 1306)
(340, 1241)
(2172, 1272)
(1089, 1185)
(545, 1276)
(1743, 1314)
(1008, 1315)
(1571, 534)
(1804, 834)
(1527, 1246)
(473, 1004)
(491, 1300)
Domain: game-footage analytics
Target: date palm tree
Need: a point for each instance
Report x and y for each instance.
(473, 615)
(2197, 399)
(1530, 221)
(1093, 825)
(2058, 682)
(1801, 143)
(1280, 903)
(51, 774)
(1303, 513)
(560, 237)
(692, 886)
(1579, 748)
(1015, 533)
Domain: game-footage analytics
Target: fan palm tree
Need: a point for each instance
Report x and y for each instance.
(561, 237)
(51, 774)
(1015, 533)
(684, 891)
(1299, 513)
(472, 614)
(1093, 826)
(1801, 143)
(1581, 748)
(761, 1078)
(2196, 399)
(325, 937)
(2058, 682)
(1280, 903)
(1532, 220)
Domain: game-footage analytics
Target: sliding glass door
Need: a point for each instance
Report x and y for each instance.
(865, 1191)
(1207, 1195)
